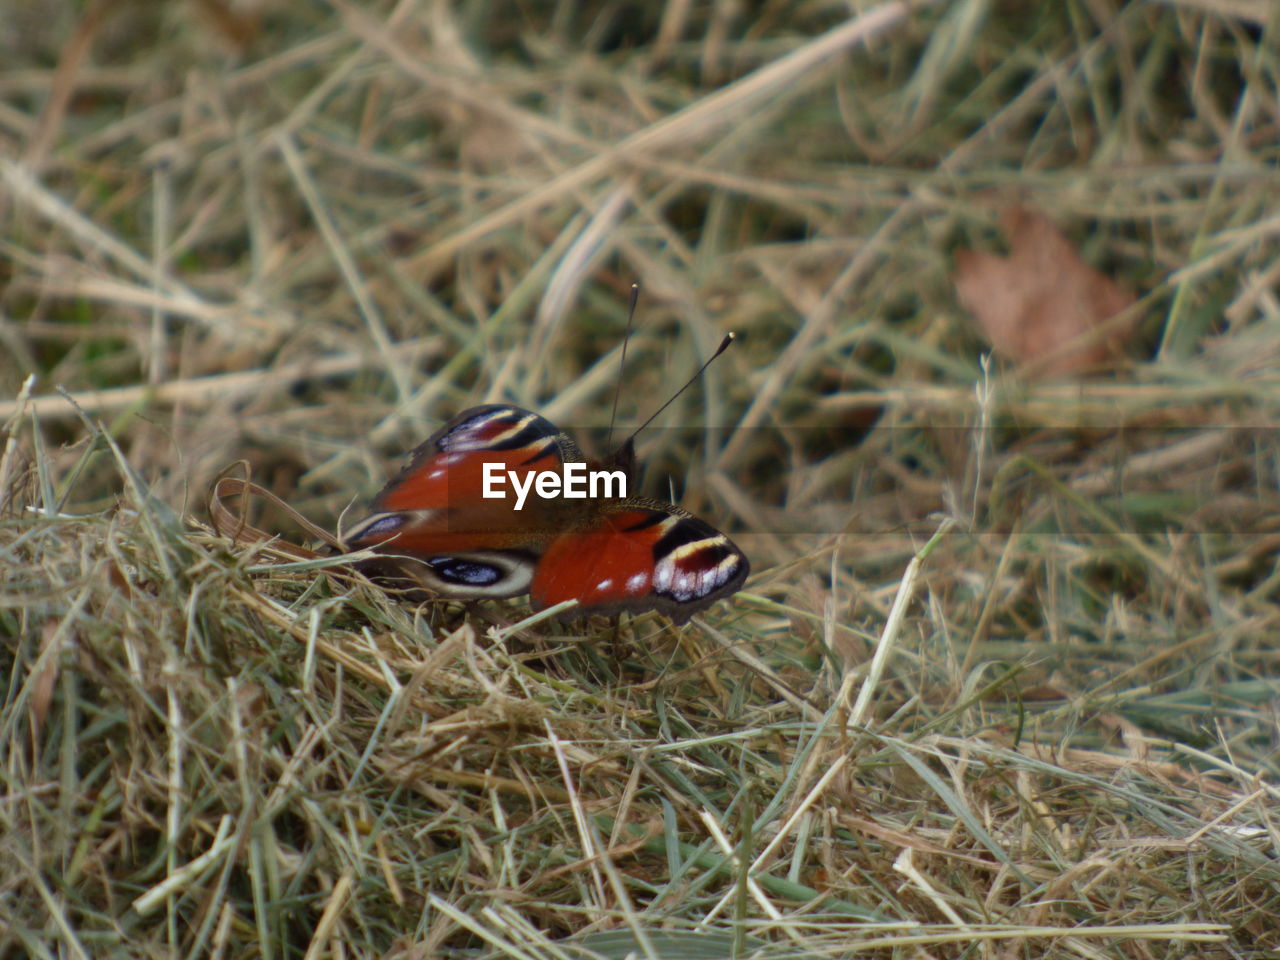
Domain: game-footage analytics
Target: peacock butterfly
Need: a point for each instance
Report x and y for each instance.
(610, 553)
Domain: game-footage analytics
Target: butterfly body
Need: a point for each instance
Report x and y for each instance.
(609, 553)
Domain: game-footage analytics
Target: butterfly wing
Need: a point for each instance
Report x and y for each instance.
(639, 555)
(436, 529)
(463, 544)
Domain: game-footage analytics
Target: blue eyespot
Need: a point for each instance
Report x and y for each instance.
(383, 525)
(466, 572)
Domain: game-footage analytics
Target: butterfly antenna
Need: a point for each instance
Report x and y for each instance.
(622, 362)
(724, 345)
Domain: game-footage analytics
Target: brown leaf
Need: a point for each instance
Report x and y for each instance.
(1043, 305)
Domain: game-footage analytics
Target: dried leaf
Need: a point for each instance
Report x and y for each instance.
(1042, 304)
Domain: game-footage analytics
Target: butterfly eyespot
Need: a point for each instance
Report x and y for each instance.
(383, 525)
(465, 572)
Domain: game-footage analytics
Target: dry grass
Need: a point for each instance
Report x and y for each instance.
(305, 234)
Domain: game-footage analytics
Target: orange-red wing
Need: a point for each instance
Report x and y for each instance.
(437, 503)
(435, 519)
(448, 470)
(639, 558)
(610, 556)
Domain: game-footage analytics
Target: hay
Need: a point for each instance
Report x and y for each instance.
(304, 236)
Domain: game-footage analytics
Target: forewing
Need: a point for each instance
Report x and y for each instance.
(639, 556)
(448, 470)
(462, 543)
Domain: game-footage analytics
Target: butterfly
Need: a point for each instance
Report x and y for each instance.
(610, 553)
